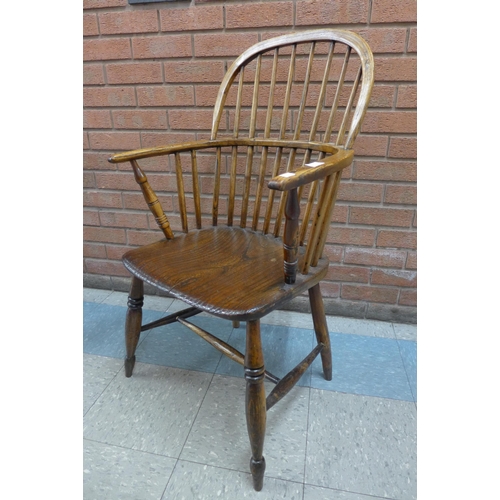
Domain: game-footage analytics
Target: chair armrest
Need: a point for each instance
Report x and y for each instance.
(137, 154)
(317, 170)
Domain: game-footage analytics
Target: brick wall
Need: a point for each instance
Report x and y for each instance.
(147, 67)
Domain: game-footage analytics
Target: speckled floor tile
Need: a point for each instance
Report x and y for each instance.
(151, 411)
(284, 348)
(192, 481)
(365, 327)
(289, 318)
(113, 473)
(362, 445)
(98, 372)
(95, 295)
(405, 332)
(364, 365)
(317, 493)
(219, 435)
(104, 327)
(175, 345)
(408, 351)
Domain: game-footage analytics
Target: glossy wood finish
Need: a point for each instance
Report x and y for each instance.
(251, 230)
(255, 401)
(133, 322)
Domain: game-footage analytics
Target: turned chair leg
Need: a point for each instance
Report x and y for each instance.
(133, 322)
(255, 401)
(321, 329)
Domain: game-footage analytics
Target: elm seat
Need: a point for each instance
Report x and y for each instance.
(190, 265)
(249, 209)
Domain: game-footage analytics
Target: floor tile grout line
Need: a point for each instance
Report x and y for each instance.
(406, 373)
(104, 390)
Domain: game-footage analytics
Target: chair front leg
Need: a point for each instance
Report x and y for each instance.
(133, 322)
(255, 401)
(321, 329)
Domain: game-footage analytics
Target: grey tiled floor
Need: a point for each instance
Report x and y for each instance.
(176, 429)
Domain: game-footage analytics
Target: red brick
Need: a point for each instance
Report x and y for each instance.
(411, 261)
(167, 46)
(93, 74)
(403, 195)
(108, 96)
(330, 290)
(126, 181)
(88, 180)
(144, 72)
(351, 236)
(86, 144)
(140, 119)
(369, 293)
(397, 239)
(115, 252)
(96, 118)
(104, 235)
(94, 250)
(370, 145)
(135, 201)
(374, 257)
(334, 253)
(124, 219)
(403, 147)
(194, 71)
(102, 4)
(415, 220)
(102, 49)
(192, 18)
(166, 95)
(115, 140)
(382, 122)
(382, 96)
(137, 238)
(225, 44)
(395, 69)
(193, 119)
(407, 96)
(394, 277)
(153, 139)
(385, 40)
(106, 267)
(394, 11)
(385, 171)
(357, 191)
(408, 298)
(315, 12)
(102, 199)
(253, 14)
(381, 216)
(91, 218)
(90, 26)
(412, 40)
(140, 21)
(349, 274)
(97, 161)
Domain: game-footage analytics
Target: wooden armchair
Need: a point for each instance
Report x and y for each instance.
(285, 120)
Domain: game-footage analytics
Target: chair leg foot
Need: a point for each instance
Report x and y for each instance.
(257, 468)
(129, 366)
(321, 329)
(133, 323)
(255, 401)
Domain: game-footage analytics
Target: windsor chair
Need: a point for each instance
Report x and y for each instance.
(284, 123)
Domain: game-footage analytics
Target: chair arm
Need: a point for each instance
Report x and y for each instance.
(316, 170)
(137, 154)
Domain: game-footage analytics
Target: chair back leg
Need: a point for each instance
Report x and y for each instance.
(321, 329)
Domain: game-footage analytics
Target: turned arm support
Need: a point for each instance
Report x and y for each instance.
(290, 182)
